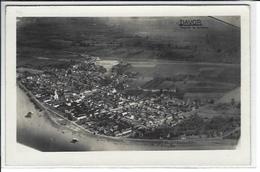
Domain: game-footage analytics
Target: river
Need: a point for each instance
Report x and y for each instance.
(41, 132)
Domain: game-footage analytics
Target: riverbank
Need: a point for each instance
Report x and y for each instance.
(57, 136)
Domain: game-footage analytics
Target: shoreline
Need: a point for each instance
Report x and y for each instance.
(193, 144)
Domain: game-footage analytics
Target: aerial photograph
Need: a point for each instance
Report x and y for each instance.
(128, 83)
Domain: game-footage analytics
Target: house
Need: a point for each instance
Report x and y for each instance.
(124, 133)
(81, 119)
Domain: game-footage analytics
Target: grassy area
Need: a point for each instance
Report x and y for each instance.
(128, 38)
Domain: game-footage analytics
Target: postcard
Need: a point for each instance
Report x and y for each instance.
(127, 86)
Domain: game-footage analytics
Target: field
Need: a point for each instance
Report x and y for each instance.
(150, 45)
(206, 80)
(203, 65)
(126, 38)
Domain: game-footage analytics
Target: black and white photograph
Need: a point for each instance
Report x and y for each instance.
(128, 83)
(127, 86)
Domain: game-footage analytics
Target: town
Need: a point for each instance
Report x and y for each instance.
(105, 103)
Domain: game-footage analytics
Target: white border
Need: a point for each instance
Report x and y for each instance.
(113, 156)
